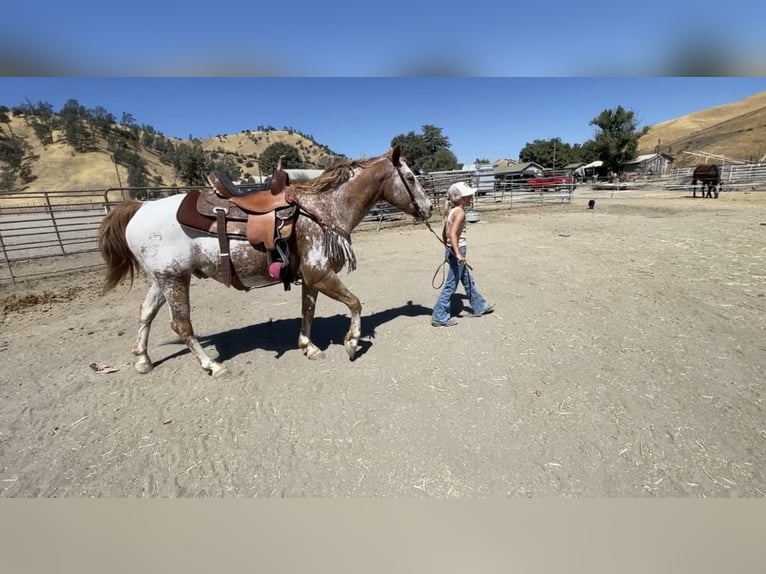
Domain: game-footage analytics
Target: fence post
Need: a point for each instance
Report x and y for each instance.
(7, 259)
(53, 220)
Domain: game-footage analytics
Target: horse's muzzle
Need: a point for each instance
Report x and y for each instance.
(425, 213)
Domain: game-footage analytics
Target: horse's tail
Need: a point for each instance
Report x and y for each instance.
(113, 245)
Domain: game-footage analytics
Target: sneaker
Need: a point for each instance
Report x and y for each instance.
(449, 323)
(486, 311)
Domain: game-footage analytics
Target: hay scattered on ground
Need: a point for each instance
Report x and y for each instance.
(16, 302)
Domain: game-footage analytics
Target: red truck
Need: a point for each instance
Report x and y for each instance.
(551, 182)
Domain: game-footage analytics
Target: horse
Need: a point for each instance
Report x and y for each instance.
(147, 235)
(709, 177)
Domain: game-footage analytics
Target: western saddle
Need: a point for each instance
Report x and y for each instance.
(265, 218)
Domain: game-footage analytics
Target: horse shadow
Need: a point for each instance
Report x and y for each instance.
(281, 335)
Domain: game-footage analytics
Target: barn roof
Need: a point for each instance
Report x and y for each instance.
(517, 168)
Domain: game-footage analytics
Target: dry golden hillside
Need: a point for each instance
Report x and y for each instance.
(252, 144)
(736, 131)
(58, 166)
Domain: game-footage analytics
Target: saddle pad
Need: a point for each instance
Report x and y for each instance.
(188, 215)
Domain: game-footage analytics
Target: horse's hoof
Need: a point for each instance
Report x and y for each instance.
(143, 367)
(221, 372)
(314, 354)
(351, 351)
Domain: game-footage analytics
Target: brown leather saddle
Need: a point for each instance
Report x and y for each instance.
(265, 218)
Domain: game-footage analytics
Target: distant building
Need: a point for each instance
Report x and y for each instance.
(524, 170)
(649, 164)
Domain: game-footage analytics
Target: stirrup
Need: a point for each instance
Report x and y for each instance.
(276, 267)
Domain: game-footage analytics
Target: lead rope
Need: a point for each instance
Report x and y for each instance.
(442, 264)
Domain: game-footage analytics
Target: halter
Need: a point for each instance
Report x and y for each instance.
(398, 167)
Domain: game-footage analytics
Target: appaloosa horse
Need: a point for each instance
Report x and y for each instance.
(709, 177)
(147, 235)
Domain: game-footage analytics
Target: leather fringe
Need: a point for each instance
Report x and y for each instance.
(337, 246)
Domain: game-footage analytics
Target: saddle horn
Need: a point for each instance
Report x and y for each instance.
(279, 178)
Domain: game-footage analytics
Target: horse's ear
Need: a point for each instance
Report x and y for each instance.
(396, 153)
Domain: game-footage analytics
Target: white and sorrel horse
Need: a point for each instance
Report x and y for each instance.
(147, 235)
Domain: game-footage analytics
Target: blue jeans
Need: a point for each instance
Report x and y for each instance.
(441, 312)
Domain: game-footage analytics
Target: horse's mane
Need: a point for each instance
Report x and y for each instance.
(334, 176)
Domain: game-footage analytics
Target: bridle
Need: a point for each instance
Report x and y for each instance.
(415, 203)
(398, 167)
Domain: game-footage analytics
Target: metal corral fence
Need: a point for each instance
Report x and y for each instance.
(40, 225)
(493, 190)
(733, 177)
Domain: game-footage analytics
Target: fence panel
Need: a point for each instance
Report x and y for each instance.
(39, 225)
(733, 177)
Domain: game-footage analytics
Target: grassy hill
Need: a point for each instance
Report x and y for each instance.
(736, 131)
(57, 166)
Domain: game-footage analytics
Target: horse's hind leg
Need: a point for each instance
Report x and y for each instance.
(308, 304)
(152, 303)
(176, 292)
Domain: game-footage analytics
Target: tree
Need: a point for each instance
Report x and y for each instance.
(429, 151)
(440, 160)
(5, 119)
(43, 120)
(14, 156)
(551, 153)
(190, 163)
(101, 120)
(73, 120)
(616, 142)
(137, 174)
(271, 154)
(587, 152)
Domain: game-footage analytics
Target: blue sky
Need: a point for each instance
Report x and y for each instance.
(346, 38)
(483, 117)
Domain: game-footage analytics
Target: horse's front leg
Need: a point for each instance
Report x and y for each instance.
(308, 307)
(332, 287)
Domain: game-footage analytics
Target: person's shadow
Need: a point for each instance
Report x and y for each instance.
(281, 335)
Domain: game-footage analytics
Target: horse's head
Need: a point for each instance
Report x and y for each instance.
(405, 191)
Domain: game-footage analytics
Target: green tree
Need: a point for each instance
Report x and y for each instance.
(14, 153)
(190, 163)
(137, 174)
(73, 117)
(271, 154)
(552, 153)
(586, 152)
(616, 140)
(429, 151)
(42, 119)
(225, 164)
(101, 121)
(440, 160)
(5, 119)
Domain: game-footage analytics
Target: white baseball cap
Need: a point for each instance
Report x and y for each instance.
(460, 189)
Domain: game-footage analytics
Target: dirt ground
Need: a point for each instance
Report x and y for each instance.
(625, 358)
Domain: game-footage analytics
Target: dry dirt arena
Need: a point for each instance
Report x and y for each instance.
(626, 358)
